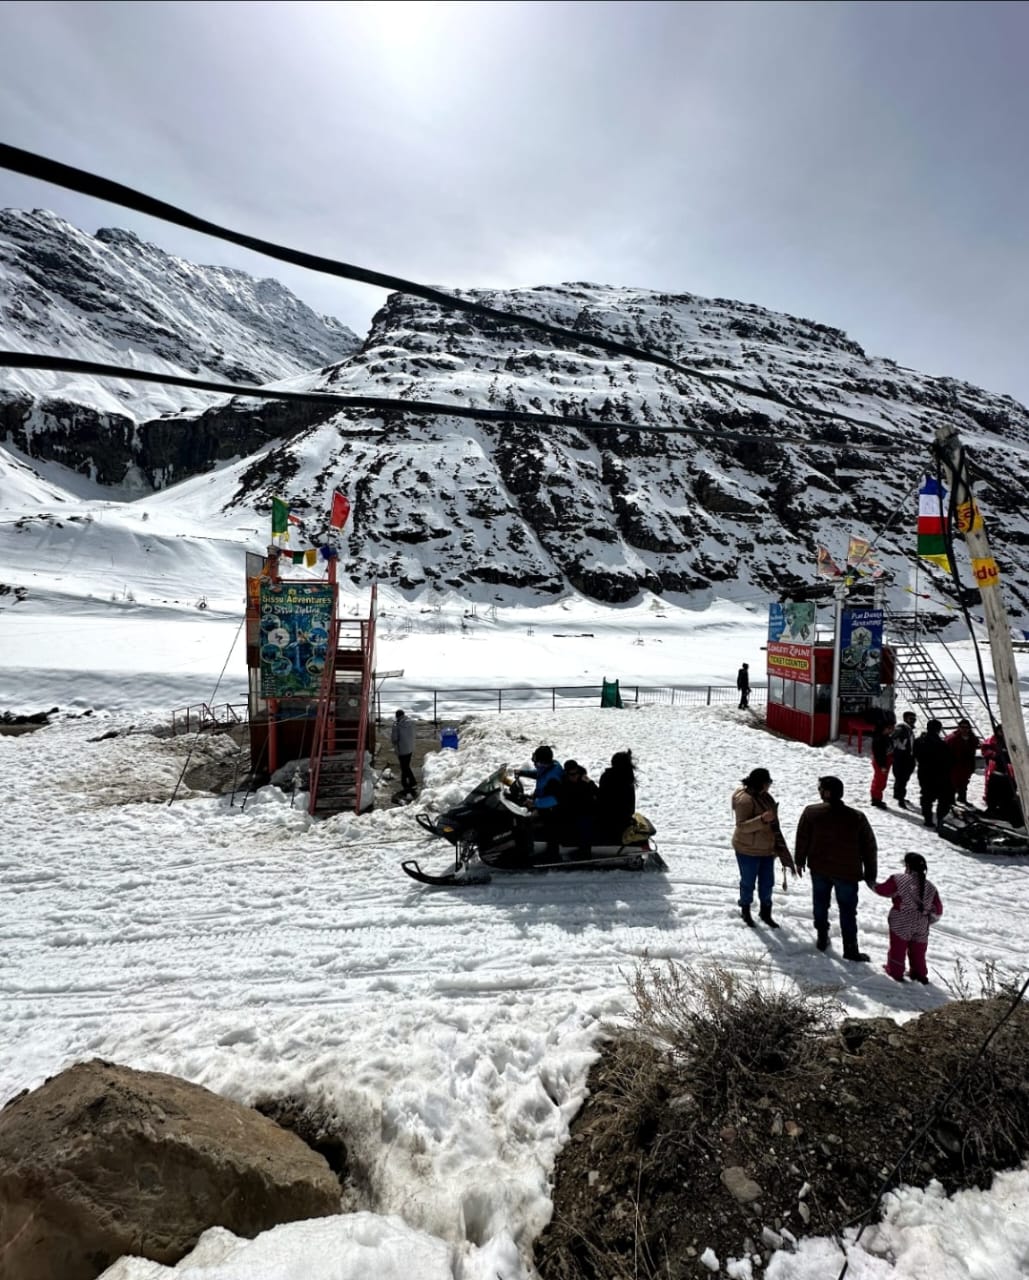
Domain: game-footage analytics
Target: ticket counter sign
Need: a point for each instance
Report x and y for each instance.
(295, 621)
(791, 661)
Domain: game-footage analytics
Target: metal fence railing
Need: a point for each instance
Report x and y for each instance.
(449, 704)
(203, 716)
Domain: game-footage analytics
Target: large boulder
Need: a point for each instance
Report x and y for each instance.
(103, 1161)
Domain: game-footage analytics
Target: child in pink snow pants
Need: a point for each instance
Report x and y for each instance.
(916, 905)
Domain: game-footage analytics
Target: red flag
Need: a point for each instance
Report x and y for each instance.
(340, 510)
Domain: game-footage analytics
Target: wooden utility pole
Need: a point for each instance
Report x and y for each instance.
(984, 568)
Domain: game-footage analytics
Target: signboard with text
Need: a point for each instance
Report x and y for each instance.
(861, 645)
(295, 620)
(790, 661)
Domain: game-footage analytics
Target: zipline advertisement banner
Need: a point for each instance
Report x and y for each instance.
(861, 652)
(791, 635)
(294, 637)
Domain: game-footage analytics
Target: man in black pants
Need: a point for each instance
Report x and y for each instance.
(402, 737)
(743, 684)
(903, 757)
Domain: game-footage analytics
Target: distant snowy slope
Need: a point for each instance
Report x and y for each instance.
(735, 509)
(113, 297)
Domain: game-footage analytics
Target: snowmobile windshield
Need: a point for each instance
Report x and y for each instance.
(495, 782)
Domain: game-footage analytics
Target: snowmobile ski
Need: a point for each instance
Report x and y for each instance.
(456, 878)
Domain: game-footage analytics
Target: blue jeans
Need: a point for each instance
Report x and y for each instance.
(762, 870)
(846, 902)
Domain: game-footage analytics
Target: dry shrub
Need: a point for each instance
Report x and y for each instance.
(729, 1032)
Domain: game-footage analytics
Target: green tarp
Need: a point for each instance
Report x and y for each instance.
(609, 695)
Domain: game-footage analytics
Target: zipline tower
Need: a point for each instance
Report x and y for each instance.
(311, 684)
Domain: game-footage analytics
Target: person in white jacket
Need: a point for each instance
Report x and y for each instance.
(402, 736)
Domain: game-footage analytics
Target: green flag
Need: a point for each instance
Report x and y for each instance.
(280, 517)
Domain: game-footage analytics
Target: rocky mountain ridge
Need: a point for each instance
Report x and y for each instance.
(114, 297)
(444, 502)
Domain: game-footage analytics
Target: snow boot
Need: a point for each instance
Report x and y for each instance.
(852, 953)
(747, 917)
(766, 915)
(823, 939)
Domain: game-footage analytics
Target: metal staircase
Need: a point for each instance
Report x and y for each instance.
(342, 728)
(919, 677)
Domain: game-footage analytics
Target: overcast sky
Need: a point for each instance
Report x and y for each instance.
(864, 165)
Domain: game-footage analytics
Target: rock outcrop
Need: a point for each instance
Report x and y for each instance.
(102, 1161)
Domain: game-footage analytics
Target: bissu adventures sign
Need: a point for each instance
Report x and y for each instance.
(295, 619)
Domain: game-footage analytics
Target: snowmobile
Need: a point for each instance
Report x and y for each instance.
(982, 832)
(488, 833)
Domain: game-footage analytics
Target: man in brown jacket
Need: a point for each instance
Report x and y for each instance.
(838, 845)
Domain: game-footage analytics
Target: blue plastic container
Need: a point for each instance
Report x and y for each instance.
(449, 738)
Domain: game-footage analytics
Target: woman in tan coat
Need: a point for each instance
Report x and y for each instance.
(758, 842)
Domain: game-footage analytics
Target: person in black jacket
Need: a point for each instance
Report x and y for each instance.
(616, 801)
(743, 684)
(903, 757)
(578, 808)
(932, 760)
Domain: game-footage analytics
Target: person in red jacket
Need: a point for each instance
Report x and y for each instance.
(999, 790)
(962, 745)
(916, 906)
(882, 758)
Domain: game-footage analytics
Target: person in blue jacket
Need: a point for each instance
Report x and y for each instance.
(546, 795)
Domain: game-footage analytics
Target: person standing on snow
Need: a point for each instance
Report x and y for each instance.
(882, 758)
(402, 736)
(903, 757)
(999, 791)
(758, 842)
(743, 684)
(916, 906)
(933, 761)
(962, 745)
(838, 845)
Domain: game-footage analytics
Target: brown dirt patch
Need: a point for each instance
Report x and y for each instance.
(639, 1187)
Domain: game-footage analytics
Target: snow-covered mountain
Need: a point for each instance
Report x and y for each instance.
(485, 508)
(115, 297)
(457, 504)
